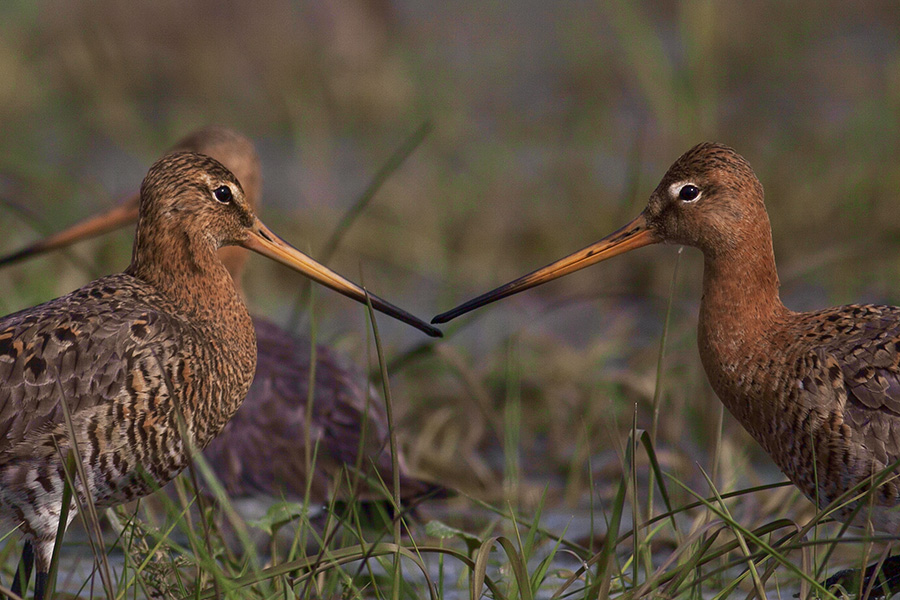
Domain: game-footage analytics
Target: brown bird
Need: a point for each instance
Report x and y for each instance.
(820, 391)
(128, 355)
(260, 450)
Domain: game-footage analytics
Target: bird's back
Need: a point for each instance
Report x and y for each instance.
(820, 391)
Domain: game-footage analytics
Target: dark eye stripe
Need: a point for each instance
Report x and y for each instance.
(223, 194)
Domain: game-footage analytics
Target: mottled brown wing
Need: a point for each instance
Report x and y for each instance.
(86, 341)
(262, 447)
(864, 351)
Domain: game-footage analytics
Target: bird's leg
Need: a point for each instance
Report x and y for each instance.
(43, 553)
(23, 571)
(40, 584)
(887, 579)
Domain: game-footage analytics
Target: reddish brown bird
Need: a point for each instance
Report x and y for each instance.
(129, 355)
(820, 391)
(261, 449)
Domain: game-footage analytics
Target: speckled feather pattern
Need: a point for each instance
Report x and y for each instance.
(102, 349)
(108, 349)
(824, 385)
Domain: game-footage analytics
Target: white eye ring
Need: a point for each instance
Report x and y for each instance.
(223, 194)
(685, 191)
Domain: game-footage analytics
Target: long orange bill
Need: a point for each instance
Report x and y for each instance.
(634, 235)
(111, 220)
(263, 241)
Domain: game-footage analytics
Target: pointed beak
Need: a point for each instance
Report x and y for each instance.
(263, 241)
(123, 214)
(634, 235)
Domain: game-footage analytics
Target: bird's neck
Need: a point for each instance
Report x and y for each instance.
(189, 273)
(234, 258)
(739, 313)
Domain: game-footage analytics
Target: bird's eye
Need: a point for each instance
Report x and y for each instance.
(688, 193)
(223, 194)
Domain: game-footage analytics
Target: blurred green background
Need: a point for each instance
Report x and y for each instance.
(552, 122)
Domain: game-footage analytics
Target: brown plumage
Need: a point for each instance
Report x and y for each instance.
(128, 353)
(820, 391)
(261, 448)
